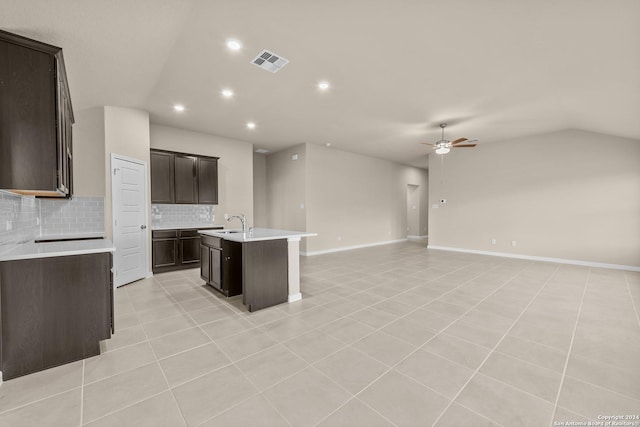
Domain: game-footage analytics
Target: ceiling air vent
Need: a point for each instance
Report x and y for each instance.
(269, 61)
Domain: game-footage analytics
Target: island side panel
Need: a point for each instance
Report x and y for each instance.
(294, 270)
(265, 273)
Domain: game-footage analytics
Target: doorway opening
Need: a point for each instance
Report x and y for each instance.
(413, 211)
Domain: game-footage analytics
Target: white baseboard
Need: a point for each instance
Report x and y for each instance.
(349, 248)
(294, 297)
(418, 237)
(539, 258)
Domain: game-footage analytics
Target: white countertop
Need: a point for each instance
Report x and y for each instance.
(54, 249)
(183, 227)
(257, 234)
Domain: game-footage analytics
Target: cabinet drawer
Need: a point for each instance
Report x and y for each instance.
(164, 234)
(214, 242)
(188, 233)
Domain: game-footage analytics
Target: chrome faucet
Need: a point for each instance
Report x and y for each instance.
(243, 220)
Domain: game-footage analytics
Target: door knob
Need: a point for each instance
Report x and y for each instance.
(142, 227)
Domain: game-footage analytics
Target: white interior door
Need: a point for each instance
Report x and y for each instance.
(129, 219)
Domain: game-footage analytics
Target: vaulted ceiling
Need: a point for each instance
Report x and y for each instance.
(492, 69)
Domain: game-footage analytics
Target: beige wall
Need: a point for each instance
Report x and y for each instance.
(260, 207)
(287, 190)
(126, 132)
(88, 149)
(355, 200)
(235, 167)
(573, 195)
(348, 199)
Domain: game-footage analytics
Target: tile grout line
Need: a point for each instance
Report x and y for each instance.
(82, 394)
(633, 301)
(573, 335)
(477, 370)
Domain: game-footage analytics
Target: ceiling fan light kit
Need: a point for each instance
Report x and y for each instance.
(444, 146)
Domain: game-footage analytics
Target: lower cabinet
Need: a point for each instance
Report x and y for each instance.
(177, 249)
(54, 311)
(221, 265)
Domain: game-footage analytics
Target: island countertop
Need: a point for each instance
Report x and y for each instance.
(257, 234)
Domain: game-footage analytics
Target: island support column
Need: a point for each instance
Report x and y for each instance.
(294, 269)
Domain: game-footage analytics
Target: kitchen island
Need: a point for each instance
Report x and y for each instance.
(267, 263)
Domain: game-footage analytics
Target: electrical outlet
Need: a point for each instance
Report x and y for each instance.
(494, 241)
(513, 243)
(9, 225)
(339, 238)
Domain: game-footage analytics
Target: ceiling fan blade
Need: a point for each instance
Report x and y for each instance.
(458, 141)
(426, 143)
(464, 145)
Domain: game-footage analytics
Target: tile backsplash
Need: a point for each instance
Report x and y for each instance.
(25, 218)
(18, 220)
(71, 216)
(182, 215)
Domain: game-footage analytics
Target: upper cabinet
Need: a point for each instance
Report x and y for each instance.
(36, 154)
(183, 178)
(162, 190)
(207, 176)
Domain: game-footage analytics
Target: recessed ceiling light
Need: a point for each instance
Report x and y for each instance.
(234, 44)
(323, 85)
(251, 125)
(328, 144)
(227, 93)
(179, 108)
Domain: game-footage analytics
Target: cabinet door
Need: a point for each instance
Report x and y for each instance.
(205, 265)
(216, 267)
(207, 181)
(190, 250)
(165, 253)
(162, 189)
(27, 119)
(231, 268)
(185, 179)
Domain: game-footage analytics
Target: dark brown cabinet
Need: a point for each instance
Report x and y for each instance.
(54, 311)
(162, 190)
(207, 180)
(36, 118)
(164, 246)
(189, 246)
(175, 249)
(183, 178)
(222, 268)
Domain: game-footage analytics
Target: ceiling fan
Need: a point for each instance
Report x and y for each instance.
(444, 146)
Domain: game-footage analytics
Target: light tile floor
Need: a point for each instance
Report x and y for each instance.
(395, 335)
